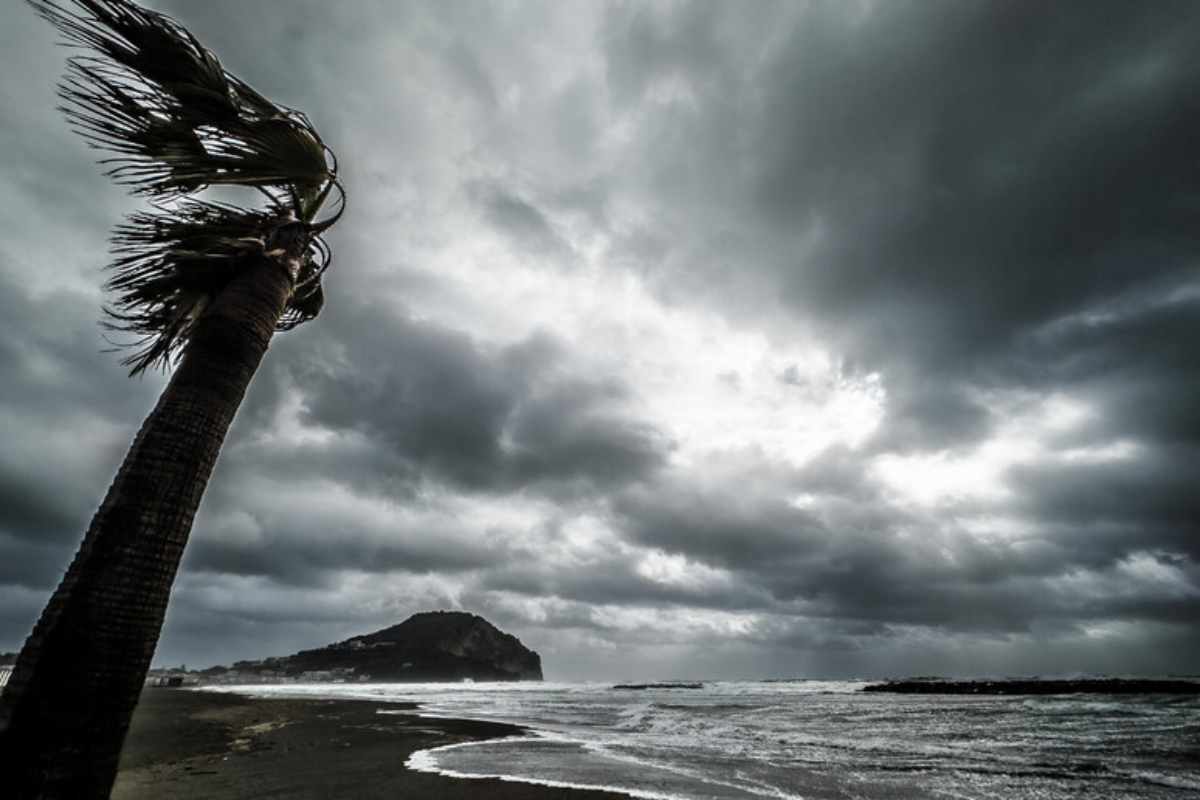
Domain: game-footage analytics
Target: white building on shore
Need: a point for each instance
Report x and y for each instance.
(4, 673)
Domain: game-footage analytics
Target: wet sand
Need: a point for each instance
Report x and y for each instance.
(192, 745)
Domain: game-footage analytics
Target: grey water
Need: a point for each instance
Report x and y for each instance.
(813, 740)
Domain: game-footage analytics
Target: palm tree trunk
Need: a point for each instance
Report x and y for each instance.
(67, 707)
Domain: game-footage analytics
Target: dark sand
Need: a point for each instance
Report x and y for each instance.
(186, 744)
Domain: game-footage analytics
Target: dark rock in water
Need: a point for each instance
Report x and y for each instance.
(431, 646)
(667, 685)
(1080, 686)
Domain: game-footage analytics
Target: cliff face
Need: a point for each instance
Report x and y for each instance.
(432, 646)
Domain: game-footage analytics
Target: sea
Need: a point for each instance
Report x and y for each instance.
(814, 740)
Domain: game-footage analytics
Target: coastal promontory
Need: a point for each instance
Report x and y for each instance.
(430, 646)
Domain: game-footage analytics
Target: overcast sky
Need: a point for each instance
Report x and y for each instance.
(698, 340)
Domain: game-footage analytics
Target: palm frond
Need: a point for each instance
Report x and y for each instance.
(176, 122)
(174, 119)
(169, 264)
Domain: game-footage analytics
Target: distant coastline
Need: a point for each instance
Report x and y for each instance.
(1038, 686)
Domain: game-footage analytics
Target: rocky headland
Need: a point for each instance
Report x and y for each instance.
(431, 646)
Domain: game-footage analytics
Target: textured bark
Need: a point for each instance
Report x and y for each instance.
(66, 709)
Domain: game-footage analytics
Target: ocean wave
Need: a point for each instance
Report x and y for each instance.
(1093, 708)
(627, 771)
(426, 761)
(1174, 781)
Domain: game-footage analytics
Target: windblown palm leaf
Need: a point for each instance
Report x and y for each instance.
(170, 264)
(176, 123)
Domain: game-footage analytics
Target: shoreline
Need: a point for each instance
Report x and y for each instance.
(196, 744)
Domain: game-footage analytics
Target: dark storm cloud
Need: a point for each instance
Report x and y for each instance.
(527, 226)
(852, 555)
(727, 529)
(28, 564)
(614, 581)
(424, 391)
(994, 164)
(610, 573)
(1147, 501)
(483, 420)
(930, 415)
(575, 430)
(930, 181)
(60, 393)
(312, 548)
(1133, 357)
(60, 364)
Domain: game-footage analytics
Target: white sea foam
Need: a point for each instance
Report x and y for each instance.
(427, 761)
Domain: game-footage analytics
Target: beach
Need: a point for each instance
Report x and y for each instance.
(217, 746)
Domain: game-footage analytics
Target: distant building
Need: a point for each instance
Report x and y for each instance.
(5, 672)
(170, 678)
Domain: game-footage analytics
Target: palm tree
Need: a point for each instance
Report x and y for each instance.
(202, 285)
